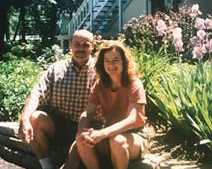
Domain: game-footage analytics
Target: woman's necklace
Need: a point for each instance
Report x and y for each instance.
(114, 89)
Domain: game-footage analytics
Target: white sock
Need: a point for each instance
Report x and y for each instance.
(46, 163)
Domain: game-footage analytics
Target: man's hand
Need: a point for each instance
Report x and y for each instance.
(26, 132)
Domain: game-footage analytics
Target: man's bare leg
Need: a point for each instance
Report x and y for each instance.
(43, 129)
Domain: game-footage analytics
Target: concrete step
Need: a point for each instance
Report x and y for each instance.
(15, 151)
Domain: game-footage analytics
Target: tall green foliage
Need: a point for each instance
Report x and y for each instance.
(184, 97)
(150, 67)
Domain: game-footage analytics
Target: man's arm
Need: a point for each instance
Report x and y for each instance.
(86, 117)
(25, 130)
(31, 104)
(84, 128)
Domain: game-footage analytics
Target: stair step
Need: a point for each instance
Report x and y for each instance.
(103, 15)
(108, 4)
(106, 8)
(104, 23)
(100, 20)
(108, 0)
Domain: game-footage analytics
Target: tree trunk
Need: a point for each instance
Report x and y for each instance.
(23, 23)
(3, 28)
(53, 23)
(17, 27)
(7, 27)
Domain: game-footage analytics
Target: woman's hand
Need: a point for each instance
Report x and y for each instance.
(84, 139)
(97, 136)
(140, 120)
(140, 115)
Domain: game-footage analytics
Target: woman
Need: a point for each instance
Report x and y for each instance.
(122, 98)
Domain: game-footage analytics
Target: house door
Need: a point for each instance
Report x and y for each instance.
(164, 5)
(157, 5)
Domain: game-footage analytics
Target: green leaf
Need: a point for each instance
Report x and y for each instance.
(205, 141)
(52, 1)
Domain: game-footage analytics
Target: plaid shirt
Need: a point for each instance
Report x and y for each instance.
(65, 88)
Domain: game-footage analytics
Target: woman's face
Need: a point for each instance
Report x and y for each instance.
(113, 63)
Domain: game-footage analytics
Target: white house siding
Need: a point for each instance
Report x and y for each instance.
(205, 6)
(135, 9)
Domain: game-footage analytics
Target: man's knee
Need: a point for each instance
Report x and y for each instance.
(37, 117)
(40, 120)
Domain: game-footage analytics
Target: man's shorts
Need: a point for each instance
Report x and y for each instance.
(65, 130)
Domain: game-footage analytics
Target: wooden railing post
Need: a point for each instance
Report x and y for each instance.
(91, 15)
(120, 16)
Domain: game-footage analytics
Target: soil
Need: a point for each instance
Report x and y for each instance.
(167, 140)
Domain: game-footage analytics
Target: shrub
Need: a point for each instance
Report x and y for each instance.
(22, 49)
(34, 50)
(29, 50)
(50, 55)
(183, 34)
(16, 80)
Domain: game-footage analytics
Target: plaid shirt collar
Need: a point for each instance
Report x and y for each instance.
(89, 64)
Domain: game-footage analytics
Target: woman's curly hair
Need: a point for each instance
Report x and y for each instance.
(129, 72)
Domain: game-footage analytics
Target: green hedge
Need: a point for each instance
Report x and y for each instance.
(16, 80)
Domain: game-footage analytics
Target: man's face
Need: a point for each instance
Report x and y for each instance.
(81, 49)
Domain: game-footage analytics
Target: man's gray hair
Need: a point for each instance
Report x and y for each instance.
(85, 33)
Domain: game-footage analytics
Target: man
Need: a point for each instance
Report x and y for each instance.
(52, 111)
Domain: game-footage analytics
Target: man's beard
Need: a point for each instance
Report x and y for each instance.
(80, 54)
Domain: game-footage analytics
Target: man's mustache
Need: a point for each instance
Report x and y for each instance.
(80, 51)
